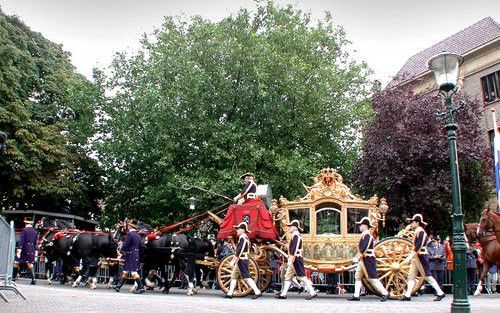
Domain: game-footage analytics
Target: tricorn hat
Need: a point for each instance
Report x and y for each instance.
(247, 174)
(27, 220)
(244, 226)
(132, 223)
(365, 220)
(417, 218)
(295, 223)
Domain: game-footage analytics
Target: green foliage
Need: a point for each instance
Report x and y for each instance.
(47, 111)
(202, 102)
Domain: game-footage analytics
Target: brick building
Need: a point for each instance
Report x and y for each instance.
(479, 44)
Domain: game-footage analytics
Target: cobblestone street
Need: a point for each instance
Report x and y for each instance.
(56, 298)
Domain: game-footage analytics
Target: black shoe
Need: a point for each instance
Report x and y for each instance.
(140, 290)
(353, 298)
(384, 298)
(278, 296)
(405, 298)
(312, 297)
(33, 282)
(301, 290)
(257, 296)
(228, 296)
(439, 298)
(115, 288)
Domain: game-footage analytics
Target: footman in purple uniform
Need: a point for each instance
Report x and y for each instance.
(130, 248)
(27, 247)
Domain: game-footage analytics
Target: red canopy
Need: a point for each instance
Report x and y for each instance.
(260, 221)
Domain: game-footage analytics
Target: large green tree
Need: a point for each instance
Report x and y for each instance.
(202, 102)
(47, 112)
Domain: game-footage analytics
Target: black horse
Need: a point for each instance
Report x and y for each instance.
(177, 250)
(73, 246)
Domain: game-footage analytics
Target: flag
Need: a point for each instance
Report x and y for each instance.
(496, 151)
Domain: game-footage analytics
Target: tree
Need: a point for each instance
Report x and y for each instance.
(47, 113)
(202, 102)
(406, 158)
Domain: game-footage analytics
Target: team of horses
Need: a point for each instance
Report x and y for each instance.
(59, 241)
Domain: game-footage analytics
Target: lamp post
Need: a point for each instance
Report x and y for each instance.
(192, 203)
(445, 67)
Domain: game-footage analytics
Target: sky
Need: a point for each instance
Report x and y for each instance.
(384, 33)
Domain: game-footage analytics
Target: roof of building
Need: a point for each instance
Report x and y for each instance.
(468, 39)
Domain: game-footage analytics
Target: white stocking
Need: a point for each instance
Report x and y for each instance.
(357, 288)
(286, 286)
(378, 286)
(309, 285)
(411, 284)
(252, 285)
(232, 286)
(434, 285)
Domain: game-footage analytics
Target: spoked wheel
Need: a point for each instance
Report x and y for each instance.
(390, 254)
(265, 278)
(224, 277)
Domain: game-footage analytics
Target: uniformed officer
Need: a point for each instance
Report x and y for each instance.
(249, 190)
(240, 262)
(130, 248)
(366, 262)
(27, 247)
(295, 265)
(419, 260)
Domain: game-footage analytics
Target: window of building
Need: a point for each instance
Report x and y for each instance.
(491, 87)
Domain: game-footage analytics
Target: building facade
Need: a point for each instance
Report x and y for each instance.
(479, 44)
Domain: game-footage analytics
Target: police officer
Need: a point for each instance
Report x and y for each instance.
(366, 262)
(27, 247)
(419, 260)
(249, 190)
(296, 263)
(130, 248)
(240, 262)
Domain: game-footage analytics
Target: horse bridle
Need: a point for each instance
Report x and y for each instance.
(490, 229)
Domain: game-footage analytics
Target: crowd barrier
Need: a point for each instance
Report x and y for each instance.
(320, 280)
(7, 255)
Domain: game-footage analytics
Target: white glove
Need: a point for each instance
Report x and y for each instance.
(290, 262)
(235, 199)
(18, 253)
(355, 260)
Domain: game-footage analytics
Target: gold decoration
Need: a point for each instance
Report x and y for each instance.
(329, 183)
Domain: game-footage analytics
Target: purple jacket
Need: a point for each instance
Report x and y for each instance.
(27, 244)
(130, 249)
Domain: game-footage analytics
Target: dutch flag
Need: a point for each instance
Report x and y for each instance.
(496, 150)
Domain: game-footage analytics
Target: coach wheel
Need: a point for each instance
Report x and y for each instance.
(390, 254)
(265, 278)
(224, 277)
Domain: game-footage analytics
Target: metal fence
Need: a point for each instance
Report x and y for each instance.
(7, 254)
(345, 280)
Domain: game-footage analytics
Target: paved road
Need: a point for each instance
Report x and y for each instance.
(56, 298)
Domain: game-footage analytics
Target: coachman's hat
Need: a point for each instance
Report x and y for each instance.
(365, 221)
(27, 220)
(417, 218)
(247, 174)
(295, 223)
(132, 223)
(244, 226)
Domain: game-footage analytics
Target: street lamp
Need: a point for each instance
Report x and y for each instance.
(445, 67)
(192, 203)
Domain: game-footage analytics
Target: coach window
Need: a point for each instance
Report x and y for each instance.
(301, 214)
(354, 215)
(328, 219)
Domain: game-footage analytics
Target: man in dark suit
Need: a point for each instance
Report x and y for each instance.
(27, 247)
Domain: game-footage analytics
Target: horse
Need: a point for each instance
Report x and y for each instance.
(73, 246)
(488, 233)
(178, 250)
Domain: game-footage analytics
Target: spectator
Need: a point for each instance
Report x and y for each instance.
(491, 279)
(437, 260)
(449, 254)
(471, 256)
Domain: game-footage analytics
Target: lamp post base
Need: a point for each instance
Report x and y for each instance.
(460, 306)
